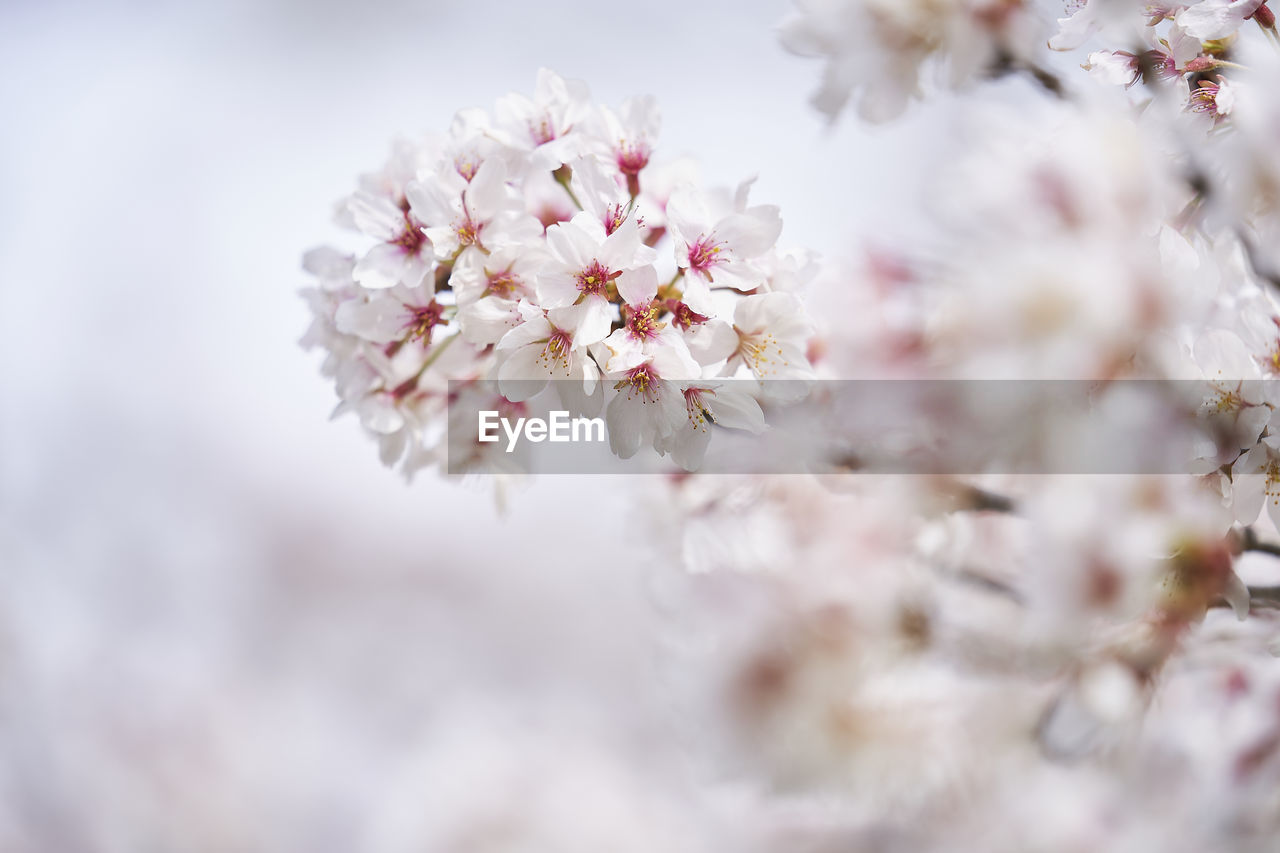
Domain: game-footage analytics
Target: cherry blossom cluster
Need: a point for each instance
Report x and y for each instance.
(996, 662)
(1028, 662)
(1186, 43)
(878, 53)
(893, 643)
(544, 242)
(1203, 74)
(1096, 237)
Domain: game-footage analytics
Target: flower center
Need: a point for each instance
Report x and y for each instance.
(699, 412)
(1160, 63)
(558, 349)
(1204, 100)
(632, 157)
(1272, 361)
(640, 381)
(423, 319)
(642, 322)
(594, 280)
(503, 284)
(613, 218)
(542, 131)
(1227, 401)
(755, 350)
(684, 317)
(468, 232)
(466, 167)
(704, 254)
(411, 238)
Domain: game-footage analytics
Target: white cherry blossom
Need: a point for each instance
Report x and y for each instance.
(544, 346)
(772, 332)
(587, 263)
(520, 250)
(719, 241)
(709, 406)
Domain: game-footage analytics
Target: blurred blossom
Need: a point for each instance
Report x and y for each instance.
(877, 51)
(222, 629)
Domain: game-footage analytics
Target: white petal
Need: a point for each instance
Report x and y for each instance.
(376, 216)
(697, 295)
(1250, 425)
(687, 215)
(570, 244)
(712, 342)
(328, 263)
(1074, 30)
(1215, 19)
(522, 375)
(556, 289)
(673, 361)
(626, 352)
(381, 320)
(487, 320)
(736, 410)
(1248, 491)
(487, 191)
(624, 425)
(378, 413)
(622, 248)
(1223, 357)
(444, 240)
(752, 233)
(595, 322)
(533, 330)
(638, 286)
(687, 445)
(431, 202)
(381, 266)
(1111, 67)
(1237, 595)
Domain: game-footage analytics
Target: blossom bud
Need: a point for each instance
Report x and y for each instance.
(1265, 17)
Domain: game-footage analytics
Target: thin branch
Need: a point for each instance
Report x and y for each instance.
(1249, 541)
(1047, 79)
(988, 584)
(1006, 64)
(978, 499)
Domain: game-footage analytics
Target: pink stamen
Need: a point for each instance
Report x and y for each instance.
(424, 318)
(594, 280)
(632, 157)
(542, 131)
(699, 412)
(683, 317)
(503, 284)
(642, 380)
(558, 350)
(411, 239)
(705, 254)
(642, 322)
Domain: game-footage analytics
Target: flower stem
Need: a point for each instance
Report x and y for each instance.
(562, 176)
